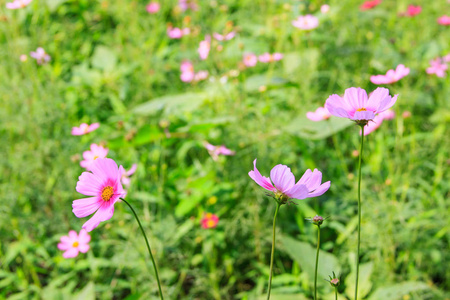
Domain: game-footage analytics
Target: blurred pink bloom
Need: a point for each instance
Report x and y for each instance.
(406, 114)
(73, 243)
(85, 128)
(250, 60)
(444, 20)
(325, 8)
(446, 58)
(96, 152)
(153, 7)
(356, 106)
(16, 4)
(125, 175)
(369, 4)
(320, 114)
(391, 75)
(104, 187)
(307, 22)
(187, 71)
(267, 57)
(187, 4)
(215, 151)
(40, 56)
(376, 122)
(438, 67)
(177, 33)
(201, 75)
(23, 58)
(209, 221)
(203, 49)
(225, 37)
(284, 186)
(413, 11)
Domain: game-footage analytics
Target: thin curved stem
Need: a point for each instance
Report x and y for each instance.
(335, 293)
(317, 262)
(359, 212)
(273, 250)
(148, 247)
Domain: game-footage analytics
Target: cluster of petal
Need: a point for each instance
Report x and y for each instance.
(85, 128)
(125, 175)
(40, 55)
(90, 156)
(203, 48)
(391, 75)
(177, 33)
(370, 4)
(250, 59)
(153, 7)
(438, 66)
(188, 74)
(215, 151)
(376, 122)
(444, 20)
(284, 182)
(412, 11)
(320, 114)
(209, 221)
(356, 106)
(307, 22)
(267, 57)
(325, 8)
(74, 243)
(187, 4)
(104, 188)
(224, 37)
(16, 4)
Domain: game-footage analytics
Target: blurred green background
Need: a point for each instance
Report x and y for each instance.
(113, 63)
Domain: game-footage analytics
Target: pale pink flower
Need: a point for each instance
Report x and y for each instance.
(125, 175)
(209, 221)
(370, 4)
(215, 151)
(201, 75)
(320, 114)
(250, 60)
(376, 122)
(438, 67)
(325, 8)
(406, 114)
(391, 75)
(16, 4)
(203, 49)
(187, 71)
(284, 186)
(225, 37)
(95, 153)
(153, 7)
(177, 33)
(356, 106)
(105, 189)
(307, 22)
(23, 58)
(73, 243)
(40, 56)
(85, 128)
(267, 57)
(446, 58)
(187, 4)
(413, 11)
(444, 20)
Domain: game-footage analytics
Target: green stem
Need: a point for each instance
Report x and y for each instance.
(335, 293)
(148, 247)
(273, 250)
(359, 212)
(317, 262)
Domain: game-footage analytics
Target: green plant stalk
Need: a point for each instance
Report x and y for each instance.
(335, 293)
(359, 212)
(317, 262)
(148, 247)
(273, 250)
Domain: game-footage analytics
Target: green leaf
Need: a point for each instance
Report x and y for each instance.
(172, 104)
(87, 293)
(104, 59)
(54, 4)
(397, 291)
(305, 128)
(253, 83)
(364, 286)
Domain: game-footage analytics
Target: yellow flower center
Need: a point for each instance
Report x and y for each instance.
(95, 157)
(107, 193)
(75, 244)
(210, 223)
(361, 109)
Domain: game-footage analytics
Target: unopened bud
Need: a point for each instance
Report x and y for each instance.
(317, 220)
(334, 282)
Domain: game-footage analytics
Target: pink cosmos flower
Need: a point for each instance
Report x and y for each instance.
(446, 58)
(73, 243)
(438, 67)
(444, 20)
(177, 33)
(85, 128)
(16, 4)
(104, 187)
(250, 60)
(187, 4)
(203, 49)
(391, 75)
(23, 58)
(307, 22)
(413, 11)
(376, 122)
(209, 221)
(153, 7)
(187, 71)
(225, 37)
(325, 8)
(201, 75)
(369, 4)
(267, 57)
(40, 56)
(125, 175)
(320, 114)
(215, 151)
(284, 186)
(96, 152)
(356, 106)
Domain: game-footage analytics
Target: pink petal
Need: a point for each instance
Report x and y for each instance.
(105, 212)
(87, 206)
(89, 184)
(355, 97)
(376, 98)
(363, 115)
(84, 237)
(282, 177)
(320, 190)
(298, 191)
(314, 180)
(72, 252)
(261, 180)
(387, 103)
(132, 170)
(337, 106)
(64, 246)
(105, 168)
(83, 248)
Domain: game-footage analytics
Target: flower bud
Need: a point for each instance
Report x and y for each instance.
(334, 282)
(317, 220)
